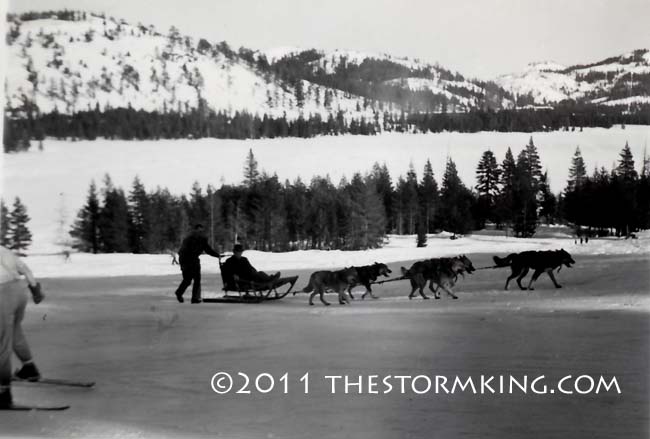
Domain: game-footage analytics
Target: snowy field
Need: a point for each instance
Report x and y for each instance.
(397, 248)
(153, 359)
(54, 183)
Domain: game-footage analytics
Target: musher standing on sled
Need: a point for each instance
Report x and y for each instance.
(188, 255)
(13, 301)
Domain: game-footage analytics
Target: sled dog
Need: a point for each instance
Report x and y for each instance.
(367, 274)
(442, 272)
(540, 261)
(338, 281)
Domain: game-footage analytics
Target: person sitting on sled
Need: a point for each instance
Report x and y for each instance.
(238, 269)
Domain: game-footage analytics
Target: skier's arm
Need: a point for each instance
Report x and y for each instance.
(34, 286)
(23, 269)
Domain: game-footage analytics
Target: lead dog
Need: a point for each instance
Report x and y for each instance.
(540, 261)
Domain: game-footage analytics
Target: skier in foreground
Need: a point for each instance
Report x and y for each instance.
(13, 301)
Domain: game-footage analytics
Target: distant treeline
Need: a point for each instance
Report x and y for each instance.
(618, 199)
(130, 124)
(266, 214)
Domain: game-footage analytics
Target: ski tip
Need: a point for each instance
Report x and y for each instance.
(58, 382)
(27, 408)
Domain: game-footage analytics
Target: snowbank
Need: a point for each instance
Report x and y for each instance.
(398, 248)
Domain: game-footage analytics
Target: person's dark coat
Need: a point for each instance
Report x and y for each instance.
(192, 247)
(240, 267)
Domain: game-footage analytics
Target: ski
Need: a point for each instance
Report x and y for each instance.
(57, 382)
(26, 407)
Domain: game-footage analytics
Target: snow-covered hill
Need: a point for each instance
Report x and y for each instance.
(74, 61)
(370, 71)
(619, 80)
(77, 64)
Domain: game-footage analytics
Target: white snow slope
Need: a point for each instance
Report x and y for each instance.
(76, 65)
(549, 82)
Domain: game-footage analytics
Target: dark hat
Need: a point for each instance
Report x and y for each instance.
(238, 248)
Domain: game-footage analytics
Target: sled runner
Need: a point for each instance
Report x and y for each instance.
(238, 290)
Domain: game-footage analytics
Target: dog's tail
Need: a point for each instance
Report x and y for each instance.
(503, 262)
(405, 272)
(308, 289)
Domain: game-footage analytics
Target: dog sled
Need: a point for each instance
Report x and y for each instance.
(236, 290)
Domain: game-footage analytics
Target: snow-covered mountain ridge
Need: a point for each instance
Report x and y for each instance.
(71, 61)
(87, 61)
(619, 80)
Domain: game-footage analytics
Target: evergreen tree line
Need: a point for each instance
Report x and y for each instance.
(14, 233)
(266, 214)
(514, 195)
(129, 124)
(616, 200)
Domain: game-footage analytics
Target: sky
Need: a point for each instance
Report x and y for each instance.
(479, 38)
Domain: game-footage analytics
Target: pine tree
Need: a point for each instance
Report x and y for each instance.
(505, 205)
(366, 223)
(577, 171)
(645, 169)
(140, 215)
(487, 177)
(199, 210)
(456, 202)
(525, 197)
(321, 224)
(534, 164)
(643, 196)
(85, 230)
(19, 235)
(295, 203)
(548, 204)
(410, 200)
(625, 168)
(384, 187)
(428, 191)
(352, 215)
(251, 172)
(625, 187)
(4, 225)
(113, 221)
(263, 209)
(421, 238)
